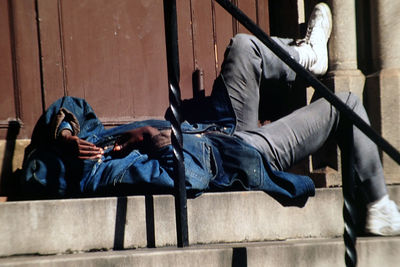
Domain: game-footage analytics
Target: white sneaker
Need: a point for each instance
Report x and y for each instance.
(383, 218)
(313, 50)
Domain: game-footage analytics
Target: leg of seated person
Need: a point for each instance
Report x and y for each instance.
(246, 62)
(292, 138)
(289, 140)
(301, 133)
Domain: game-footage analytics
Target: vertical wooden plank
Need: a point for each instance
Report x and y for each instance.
(51, 47)
(109, 53)
(7, 101)
(249, 8)
(223, 32)
(27, 66)
(114, 55)
(225, 25)
(203, 40)
(186, 57)
(263, 15)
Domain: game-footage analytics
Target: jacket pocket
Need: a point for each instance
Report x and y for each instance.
(199, 166)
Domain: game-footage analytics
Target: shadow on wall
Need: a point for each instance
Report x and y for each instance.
(8, 179)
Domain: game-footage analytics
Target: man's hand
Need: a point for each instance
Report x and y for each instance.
(139, 138)
(77, 147)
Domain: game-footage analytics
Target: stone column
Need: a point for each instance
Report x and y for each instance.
(344, 74)
(383, 86)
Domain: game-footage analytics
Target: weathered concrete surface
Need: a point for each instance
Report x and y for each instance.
(251, 216)
(385, 34)
(56, 226)
(372, 252)
(61, 226)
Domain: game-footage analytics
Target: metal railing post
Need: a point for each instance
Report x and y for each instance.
(171, 40)
(348, 184)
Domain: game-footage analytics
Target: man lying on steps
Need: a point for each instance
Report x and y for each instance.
(72, 154)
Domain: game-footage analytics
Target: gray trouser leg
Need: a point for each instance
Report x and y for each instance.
(301, 133)
(246, 62)
(288, 140)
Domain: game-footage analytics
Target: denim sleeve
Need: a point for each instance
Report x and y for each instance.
(45, 171)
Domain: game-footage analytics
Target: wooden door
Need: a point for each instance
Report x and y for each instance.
(112, 53)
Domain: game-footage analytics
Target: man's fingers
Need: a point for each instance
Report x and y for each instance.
(89, 150)
(90, 157)
(118, 147)
(86, 143)
(82, 149)
(90, 154)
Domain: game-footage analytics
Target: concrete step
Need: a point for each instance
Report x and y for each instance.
(79, 225)
(372, 252)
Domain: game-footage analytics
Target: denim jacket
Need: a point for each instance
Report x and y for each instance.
(213, 158)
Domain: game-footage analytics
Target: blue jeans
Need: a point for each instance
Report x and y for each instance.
(290, 139)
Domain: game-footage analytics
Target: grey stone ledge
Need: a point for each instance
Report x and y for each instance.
(79, 225)
(311, 252)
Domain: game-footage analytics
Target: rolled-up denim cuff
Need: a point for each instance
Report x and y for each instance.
(64, 126)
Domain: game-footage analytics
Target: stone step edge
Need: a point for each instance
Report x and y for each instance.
(48, 227)
(316, 252)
